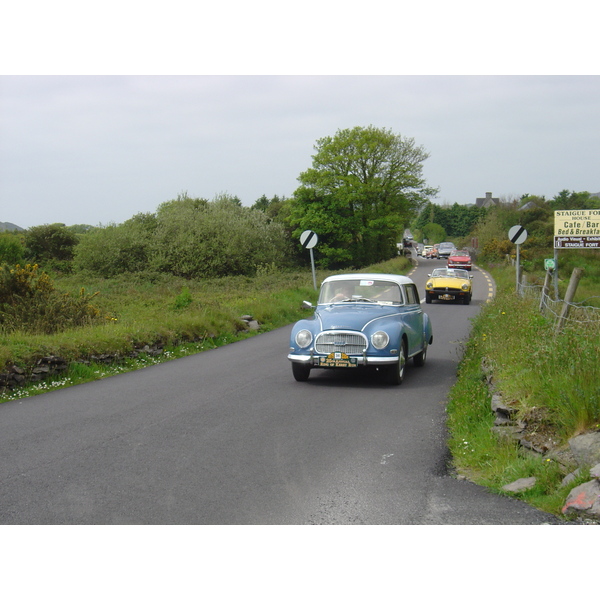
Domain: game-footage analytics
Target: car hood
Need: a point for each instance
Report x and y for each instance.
(352, 315)
(448, 281)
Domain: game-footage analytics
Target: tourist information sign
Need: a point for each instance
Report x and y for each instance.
(577, 228)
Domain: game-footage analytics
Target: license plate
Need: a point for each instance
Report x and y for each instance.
(337, 359)
(446, 297)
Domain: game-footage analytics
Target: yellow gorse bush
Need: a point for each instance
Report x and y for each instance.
(29, 302)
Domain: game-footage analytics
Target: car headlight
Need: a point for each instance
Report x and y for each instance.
(465, 287)
(429, 285)
(303, 338)
(380, 339)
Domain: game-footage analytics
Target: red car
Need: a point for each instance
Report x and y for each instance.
(460, 260)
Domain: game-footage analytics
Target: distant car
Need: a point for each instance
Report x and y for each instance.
(434, 251)
(362, 320)
(460, 259)
(427, 251)
(445, 249)
(449, 285)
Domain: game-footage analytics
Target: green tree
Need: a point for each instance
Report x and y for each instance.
(566, 200)
(363, 188)
(113, 249)
(198, 238)
(434, 233)
(51, 245)
(273, 207)
(457, 220)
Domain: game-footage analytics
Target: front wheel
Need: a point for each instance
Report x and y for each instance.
(300, 371)
(396, 372)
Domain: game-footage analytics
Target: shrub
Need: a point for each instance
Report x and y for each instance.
(11, 248)
(183, 300)
(115, 249)
(46, 243)
(197, 238)
(187, 238)
(29, 302)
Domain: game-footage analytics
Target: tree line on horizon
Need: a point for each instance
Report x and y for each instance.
(364, 188)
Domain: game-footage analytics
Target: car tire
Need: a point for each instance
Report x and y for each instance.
(395, 375)
(419, 359)
(428, 299)
(467, 299)
(300, 371)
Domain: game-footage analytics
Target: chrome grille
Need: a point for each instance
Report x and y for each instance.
(340, 341)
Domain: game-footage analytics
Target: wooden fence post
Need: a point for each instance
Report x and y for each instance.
(573, 283)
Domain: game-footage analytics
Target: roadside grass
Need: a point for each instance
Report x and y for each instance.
(551, 380)
(180, 316)
(79, 372)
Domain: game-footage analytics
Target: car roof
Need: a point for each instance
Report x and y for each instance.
(399, 279)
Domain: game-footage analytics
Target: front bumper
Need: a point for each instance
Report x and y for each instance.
(363, 360)
(447, 294)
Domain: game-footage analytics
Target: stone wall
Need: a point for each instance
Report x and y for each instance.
(580, 455)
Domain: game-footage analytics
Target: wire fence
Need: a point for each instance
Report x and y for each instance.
(565, 314)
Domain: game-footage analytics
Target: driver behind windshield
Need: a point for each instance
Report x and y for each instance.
(343, 292)
(374, 292)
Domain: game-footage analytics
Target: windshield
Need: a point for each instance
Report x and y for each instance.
(360, 290)
(460, 273)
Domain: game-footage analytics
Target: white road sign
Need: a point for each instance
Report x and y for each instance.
(309, 239)
(517, 234)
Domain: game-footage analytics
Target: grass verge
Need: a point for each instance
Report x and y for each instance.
(180, 316)
(551, 381)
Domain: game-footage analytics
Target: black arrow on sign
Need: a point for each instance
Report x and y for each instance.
(518, 234)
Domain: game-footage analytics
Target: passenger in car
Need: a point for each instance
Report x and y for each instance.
(389, 293)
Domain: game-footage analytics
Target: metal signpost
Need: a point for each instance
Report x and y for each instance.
(309, 240)
(517, 235)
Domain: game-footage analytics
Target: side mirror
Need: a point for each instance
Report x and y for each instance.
(307, 304)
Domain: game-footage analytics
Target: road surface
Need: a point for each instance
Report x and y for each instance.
(229, 437)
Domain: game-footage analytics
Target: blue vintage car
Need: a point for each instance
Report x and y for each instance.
(362, 320)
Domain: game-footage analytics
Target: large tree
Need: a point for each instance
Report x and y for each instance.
(363, 188)
(457, 220)
(51, 245)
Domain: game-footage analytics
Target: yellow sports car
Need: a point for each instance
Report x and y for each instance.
(449, 284)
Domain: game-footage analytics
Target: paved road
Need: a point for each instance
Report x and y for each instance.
(228, 437)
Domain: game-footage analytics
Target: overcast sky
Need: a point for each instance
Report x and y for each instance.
(101, 148)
